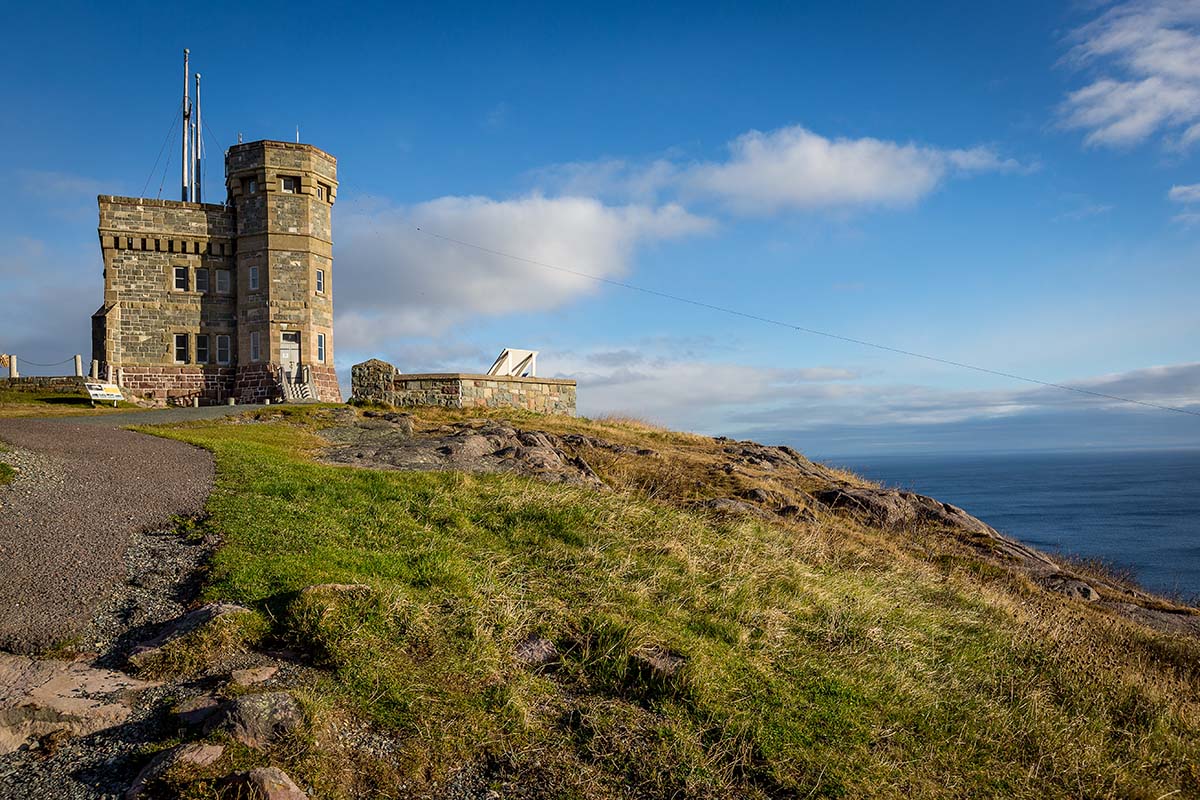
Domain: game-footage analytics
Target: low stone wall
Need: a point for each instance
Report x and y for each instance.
(379, 382)
(67, 384)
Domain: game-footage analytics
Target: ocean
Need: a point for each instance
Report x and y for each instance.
(1139, 511)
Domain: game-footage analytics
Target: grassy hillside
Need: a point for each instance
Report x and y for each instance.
(699, 654)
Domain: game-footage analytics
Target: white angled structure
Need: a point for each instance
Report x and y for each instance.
(514, 363)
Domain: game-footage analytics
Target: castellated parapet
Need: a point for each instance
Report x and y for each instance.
(206, 301)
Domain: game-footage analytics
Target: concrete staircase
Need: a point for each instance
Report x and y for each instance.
(298, 390)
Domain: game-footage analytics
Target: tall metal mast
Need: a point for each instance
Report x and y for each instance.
(198, 142)
(187, 115)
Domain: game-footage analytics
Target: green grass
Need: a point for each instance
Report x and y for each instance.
(7, 473)
(44, 402)
(821, 660)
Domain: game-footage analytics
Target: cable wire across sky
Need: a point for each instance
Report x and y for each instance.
(780, 323)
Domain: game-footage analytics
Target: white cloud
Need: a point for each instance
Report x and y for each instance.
(721, 397)
(609, 178)
(1185, 194)
(789, 168)
(796, 168)
(1153, 49)
(396, 281)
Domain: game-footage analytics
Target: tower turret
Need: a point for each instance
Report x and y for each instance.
(282, 194)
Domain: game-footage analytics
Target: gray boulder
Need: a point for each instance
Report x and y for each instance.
(258, 720)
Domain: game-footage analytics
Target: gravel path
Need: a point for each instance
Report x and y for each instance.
(83, 489)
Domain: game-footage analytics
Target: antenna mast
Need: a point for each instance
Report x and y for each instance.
(187, 115)
(198, 144)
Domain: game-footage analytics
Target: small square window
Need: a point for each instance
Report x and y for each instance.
(321, 191)
(320, 281)
(181, 279)
(202, 349)
(321, 348)
(249, 185)
(222, 349)
(181, 348)
(254, 349)
(289, 184)
(223, 281)
(253, 279)
(201, 280)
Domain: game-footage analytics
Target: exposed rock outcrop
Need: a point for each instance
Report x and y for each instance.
(39, 697)
(387, 441)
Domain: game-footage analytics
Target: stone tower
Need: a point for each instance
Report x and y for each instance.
(282, 195)
(206, 301)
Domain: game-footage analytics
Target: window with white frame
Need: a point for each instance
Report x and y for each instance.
(181, 348)
(320, 281)
(223, 349)
(201, 280)
(202, 348)
(289, 184)
(320, 191)
(250, 185)
(321, 348)
(254, 350)
(181, 279)
(253, 279)
(223, 281)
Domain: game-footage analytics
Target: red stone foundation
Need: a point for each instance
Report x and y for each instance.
(179, 385)
(257, 382)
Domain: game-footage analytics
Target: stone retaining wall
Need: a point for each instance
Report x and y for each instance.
(379, 382)
(40, 383)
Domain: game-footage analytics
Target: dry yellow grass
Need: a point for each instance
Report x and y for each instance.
(822, 656)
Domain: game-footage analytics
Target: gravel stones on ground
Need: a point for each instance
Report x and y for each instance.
(35, 473)
(64, 539)
(162, 571)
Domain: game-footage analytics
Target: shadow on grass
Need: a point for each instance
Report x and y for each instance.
(80, 402)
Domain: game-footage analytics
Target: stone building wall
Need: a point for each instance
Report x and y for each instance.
(284, 232)
(180, 385)
(143, 241)
(287, 235)
(377, 381)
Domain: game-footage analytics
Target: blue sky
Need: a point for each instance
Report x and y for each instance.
(1012, 185)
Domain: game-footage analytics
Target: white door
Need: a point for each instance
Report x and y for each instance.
(289, 352)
